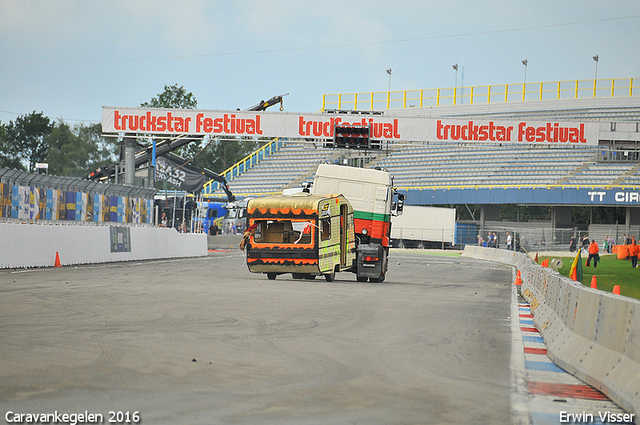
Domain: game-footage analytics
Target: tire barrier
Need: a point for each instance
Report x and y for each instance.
(592, 334)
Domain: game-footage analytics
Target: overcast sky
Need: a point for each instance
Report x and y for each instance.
(68, 58)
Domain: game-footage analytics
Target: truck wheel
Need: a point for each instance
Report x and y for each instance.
(378, 279)
(271, 276)
(297, 275)
(330, 277)
(420, 245)
(310, 276)
(362, 278)
(401, 244)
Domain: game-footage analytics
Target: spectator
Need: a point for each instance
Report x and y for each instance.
(509, 240)
(634, 250)
(612, 243)
(573, 243)
(163, 221)
(593, 253)
(585, 244)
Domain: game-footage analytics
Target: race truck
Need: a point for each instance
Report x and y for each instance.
(371, 193)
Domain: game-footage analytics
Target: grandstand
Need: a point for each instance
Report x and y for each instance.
(446, 165)
(454, 164)
(291, 164)
(433, 164)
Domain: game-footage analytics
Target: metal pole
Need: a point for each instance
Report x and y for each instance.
(173, 217)
(184, 210)
(455, 87)
(129, 161)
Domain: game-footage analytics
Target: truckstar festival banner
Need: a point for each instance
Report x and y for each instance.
(320, 126)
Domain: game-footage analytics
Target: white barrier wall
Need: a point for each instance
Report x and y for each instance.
(35, 245)
(589, 333)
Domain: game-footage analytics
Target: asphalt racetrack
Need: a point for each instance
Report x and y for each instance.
(203, 341)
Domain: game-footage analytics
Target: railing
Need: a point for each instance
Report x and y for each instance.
(500, 93)
(243, 165)
(518, 186)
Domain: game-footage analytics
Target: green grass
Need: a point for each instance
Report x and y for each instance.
(610, 272)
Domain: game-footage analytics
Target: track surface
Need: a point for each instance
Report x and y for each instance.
(203, 341)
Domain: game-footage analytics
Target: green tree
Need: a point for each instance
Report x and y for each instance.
(79, 150)
(173, 97)
(227, 152)
(28, 137)
(8, 154)
(217, 155)
(104, 150)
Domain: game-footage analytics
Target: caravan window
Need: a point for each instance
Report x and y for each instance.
(283, 232)
(325, 229)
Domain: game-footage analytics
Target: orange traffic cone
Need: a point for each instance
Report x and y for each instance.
(518, 279)
(616, 289)
(57, 263)
(594, 283)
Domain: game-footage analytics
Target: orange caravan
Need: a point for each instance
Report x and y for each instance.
(302, 234)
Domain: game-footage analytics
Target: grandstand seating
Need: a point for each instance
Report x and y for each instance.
(282, 169)
(447, 164)
(453, 164)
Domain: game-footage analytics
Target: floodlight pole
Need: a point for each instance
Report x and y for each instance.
(389, 72)
(455, 86)
(524, 85)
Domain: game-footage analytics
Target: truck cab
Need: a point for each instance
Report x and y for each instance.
(370, 192)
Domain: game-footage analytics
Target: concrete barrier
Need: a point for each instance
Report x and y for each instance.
(592, 334)
(36, 245)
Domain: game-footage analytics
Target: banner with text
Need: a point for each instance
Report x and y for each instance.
(320, 126)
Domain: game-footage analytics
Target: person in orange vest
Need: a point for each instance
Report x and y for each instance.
(633, 253)
(593, 253)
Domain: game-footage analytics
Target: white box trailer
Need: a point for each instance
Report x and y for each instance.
(420, 227)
